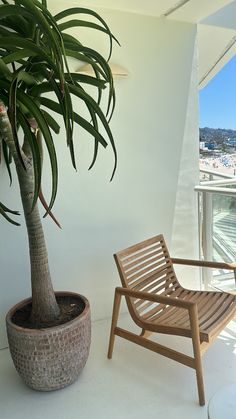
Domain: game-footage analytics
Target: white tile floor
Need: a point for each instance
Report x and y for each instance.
(135, 384)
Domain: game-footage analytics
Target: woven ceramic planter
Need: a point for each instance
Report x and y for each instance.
(52, 358)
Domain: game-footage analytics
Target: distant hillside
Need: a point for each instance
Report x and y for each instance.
(216, 134)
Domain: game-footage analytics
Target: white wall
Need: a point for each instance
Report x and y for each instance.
(99, 217)
(184, 242)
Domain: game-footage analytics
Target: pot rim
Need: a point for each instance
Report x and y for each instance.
(26, 301)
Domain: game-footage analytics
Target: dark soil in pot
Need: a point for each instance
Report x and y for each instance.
(70, 308)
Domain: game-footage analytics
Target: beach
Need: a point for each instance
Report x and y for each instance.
(225, 163)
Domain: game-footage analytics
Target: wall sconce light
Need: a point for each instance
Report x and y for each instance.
(117, 70)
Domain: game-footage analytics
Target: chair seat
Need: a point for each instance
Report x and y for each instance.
(214, 312)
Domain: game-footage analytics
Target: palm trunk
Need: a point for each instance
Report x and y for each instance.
(44, 306)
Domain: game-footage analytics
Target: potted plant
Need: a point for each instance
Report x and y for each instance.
(49, 334)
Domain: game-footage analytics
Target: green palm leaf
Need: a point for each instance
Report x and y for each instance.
(34, 48)
(82, 10)
(7, 159)
(3, 212)
(93, 106)
(55, 107)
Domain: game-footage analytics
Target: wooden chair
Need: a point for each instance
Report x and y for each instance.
(158, 303)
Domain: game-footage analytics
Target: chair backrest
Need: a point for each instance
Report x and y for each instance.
(147, 267)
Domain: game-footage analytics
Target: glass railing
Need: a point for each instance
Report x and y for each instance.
(217, 226)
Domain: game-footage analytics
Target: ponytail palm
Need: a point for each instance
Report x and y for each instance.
(36, 84)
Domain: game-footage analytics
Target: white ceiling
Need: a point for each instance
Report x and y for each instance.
(225, 17)
(189, 10)
(216, 42)
(216, 28)
(196, 10)
(147, 7)
(214, 55)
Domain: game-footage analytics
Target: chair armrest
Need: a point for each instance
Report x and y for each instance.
(205, 264)
(156, 298)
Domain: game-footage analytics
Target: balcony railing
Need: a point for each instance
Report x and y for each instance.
(217, 225)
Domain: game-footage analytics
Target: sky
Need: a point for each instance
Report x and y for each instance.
(217, 101)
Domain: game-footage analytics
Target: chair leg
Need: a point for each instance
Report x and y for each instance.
(200, 383)
(115, 314)
(197, 355)
(146, 333)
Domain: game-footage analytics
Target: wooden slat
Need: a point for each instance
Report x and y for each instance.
(154, 315)
(140, 246)
(159, 268)
(156, 254)
(164, 284)
(136, 259)
(157, 286)
(201, 298)
(148, 269)
(214, 304)
(214, 329)
(149, 280)
(218, 312)
(146, 315)
(178, 293)
(170, 316)
(204, 304)
(179, 317)
(141, 304)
